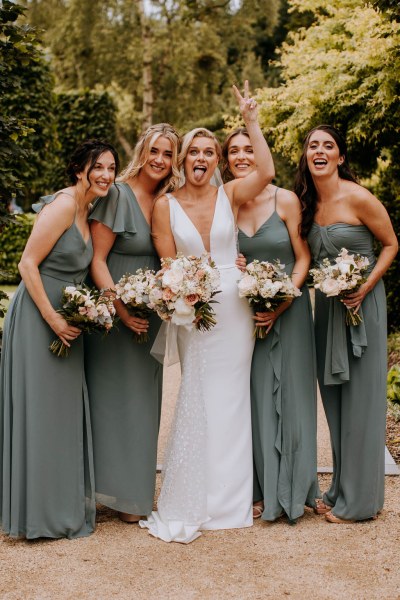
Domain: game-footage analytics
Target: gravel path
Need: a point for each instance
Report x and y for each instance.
(308, 560)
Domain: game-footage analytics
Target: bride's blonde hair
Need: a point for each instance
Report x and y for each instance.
(141, 154)
(188, 139)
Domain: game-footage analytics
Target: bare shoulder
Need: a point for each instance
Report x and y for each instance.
(357, 194)
(161, 205)
(61, 209)
(288, 204)
(287, 198)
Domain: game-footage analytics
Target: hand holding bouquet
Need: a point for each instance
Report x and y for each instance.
(345, 275)
(266, 286)
(184, 290)
(88, 309)
(134, 291)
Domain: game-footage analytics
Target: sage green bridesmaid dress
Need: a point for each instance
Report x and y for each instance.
(352, 368)
(283, 391)
(46, 463)
(124, 381)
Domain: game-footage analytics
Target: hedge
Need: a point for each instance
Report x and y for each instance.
(13, 238)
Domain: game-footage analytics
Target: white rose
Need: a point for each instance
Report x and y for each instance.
(247, 286)
(173, 279)
(330, 287)
(184, 313)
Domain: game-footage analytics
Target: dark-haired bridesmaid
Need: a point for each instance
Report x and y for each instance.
(283, 373)
(352, 362)
(46, 461)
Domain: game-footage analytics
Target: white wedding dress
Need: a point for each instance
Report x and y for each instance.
(208, 469)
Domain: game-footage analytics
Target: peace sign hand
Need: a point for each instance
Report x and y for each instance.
(247, 106)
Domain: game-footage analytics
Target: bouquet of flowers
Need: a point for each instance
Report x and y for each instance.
(88, 309)
(134, 291)
(184, 290)
(345, 275)
(266, 286)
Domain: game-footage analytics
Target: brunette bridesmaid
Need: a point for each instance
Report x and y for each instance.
(352, 363)
(46, 459)
(283, 375)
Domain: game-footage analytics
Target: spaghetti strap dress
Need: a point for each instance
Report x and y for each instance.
(124, 380)
(283, 390)
(46, 462)
(352, 367)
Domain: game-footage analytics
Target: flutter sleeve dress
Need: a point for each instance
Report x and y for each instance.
(124, 380)
(46, 462)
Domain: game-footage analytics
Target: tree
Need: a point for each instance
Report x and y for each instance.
(25, 99)
(344, 70)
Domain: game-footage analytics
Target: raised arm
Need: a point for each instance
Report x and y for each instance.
(51, 223)
(161, 232)
(241, 190)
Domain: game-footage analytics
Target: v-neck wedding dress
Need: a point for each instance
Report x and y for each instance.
(208, 470)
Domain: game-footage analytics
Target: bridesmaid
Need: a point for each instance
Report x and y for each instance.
(46, 462)
(283, 375)
(352, 364)
(124, 381)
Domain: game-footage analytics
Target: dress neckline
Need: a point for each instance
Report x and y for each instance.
(337, 223)
(133, 195)
(194, 226)
(261, 226)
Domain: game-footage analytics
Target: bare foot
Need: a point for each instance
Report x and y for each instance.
(128, 518)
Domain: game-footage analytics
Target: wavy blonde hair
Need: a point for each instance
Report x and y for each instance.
(188, 139)
(141, 155)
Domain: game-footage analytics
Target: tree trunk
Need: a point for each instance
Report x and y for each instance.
(147, 109)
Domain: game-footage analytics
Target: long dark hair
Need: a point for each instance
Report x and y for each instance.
(226, 173)
(86, 154)
(304, 185)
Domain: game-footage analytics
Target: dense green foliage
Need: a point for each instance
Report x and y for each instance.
(344, 70)
(25, 99)
(13, 238)
(80, 116)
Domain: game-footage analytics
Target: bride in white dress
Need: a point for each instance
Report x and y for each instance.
(208, 469)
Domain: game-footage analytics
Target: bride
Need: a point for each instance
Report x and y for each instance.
(207, 475)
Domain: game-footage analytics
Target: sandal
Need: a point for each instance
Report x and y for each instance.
(258, 510)
(331, 518)
(320, 507)
(128, 518)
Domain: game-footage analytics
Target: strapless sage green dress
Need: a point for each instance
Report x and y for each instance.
(124, 381)
(46, 463)
(283, 391)
(352, 369)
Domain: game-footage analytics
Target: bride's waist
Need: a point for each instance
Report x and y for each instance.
(226, 266)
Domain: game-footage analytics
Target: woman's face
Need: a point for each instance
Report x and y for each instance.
(201, 161)
(323, 155)
(101, 177)
(240, 156)
(159, 163)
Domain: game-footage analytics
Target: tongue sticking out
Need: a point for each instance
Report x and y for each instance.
(198, 174)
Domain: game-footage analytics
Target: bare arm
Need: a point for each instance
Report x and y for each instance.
(51, 223)
(103, 240)
(240, 190)
(289, 206)
(161, 232)
(371, 212)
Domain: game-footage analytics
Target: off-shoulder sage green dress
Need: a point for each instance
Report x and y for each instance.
(124, 381)
(46, 463)
(352, 368)
(283, 391)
